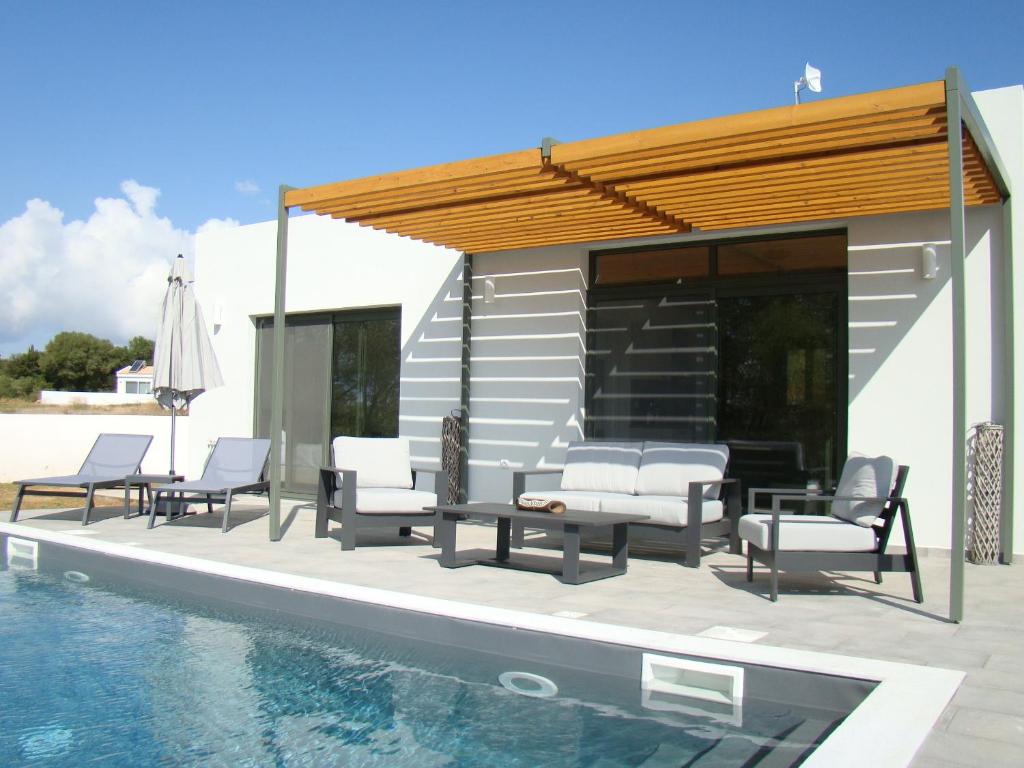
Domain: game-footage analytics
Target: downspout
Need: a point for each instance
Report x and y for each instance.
(957, 256)
(467, 335)
(1009, 385)
(277, 380)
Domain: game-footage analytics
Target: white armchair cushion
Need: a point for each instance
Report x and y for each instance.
(379, 462)
(371, 501)
(601, 466)
(870, 476)
(667, 469)
(808, 533)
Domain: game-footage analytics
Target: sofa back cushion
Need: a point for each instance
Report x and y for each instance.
(864, 476)
(379, 462)
(601, 466)
(667, 469)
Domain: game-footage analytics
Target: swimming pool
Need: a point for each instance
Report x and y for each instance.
(107, 661)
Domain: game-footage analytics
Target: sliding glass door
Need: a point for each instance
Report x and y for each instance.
(742, 343)
(341, 378)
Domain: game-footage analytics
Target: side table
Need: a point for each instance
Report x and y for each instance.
(145, 482)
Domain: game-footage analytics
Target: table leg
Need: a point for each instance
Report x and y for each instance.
(620, 545)
(446, 533)
(504, 539)
(571, 554)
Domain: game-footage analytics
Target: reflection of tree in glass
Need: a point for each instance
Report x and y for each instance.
(365, 381)
(778, 371)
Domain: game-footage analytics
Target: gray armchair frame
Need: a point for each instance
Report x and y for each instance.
(878, 561)
(689, 537)
(351, 521)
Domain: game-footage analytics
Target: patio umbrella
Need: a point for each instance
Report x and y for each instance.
(184, 365)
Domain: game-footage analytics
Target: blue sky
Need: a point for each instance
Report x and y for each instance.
(214, 104)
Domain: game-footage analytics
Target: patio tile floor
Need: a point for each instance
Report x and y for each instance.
(839, 613)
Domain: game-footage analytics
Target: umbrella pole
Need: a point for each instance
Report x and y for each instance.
(170, 380)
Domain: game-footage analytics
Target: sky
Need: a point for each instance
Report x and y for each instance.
(127, 127)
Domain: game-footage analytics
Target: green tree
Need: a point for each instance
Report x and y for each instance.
(140, 348)
(80, 362)
(23, 365)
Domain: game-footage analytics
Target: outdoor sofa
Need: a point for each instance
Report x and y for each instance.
(112, 458)
(852, 536)
(372, 484)
(236, 465)
(681, 487)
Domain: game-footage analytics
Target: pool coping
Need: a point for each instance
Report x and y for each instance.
(886, 729)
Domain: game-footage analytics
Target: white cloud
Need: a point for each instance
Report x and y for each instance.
(104, 275)
(247, 187)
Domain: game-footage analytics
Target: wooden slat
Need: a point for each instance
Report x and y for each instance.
(879, 102)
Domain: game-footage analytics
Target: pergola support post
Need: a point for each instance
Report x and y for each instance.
(467, 335)
(1009, 398)
(957, 258)
(277, 380)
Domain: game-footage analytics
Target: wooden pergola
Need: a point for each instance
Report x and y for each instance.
(916, 148)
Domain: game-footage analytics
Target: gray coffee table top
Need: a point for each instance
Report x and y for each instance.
(578, 517)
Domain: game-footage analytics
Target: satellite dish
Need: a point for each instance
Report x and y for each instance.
(812, 77)
(811, 81)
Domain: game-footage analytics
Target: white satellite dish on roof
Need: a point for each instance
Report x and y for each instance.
(811, 81)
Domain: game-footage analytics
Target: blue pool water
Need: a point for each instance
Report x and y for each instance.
(101, 674)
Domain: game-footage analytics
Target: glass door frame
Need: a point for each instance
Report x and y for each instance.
(832, 281)
(328, 317)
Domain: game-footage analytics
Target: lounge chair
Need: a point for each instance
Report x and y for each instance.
(852, 538)
(377, 489)
(112, 458)
(236, 465)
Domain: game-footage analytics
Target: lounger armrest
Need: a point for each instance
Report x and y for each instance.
(440, 481)
(329, 478)
(520, 475)
(752, 493)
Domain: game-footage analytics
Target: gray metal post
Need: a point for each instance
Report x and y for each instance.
(277, 381)
(467, 334)
(1009, 400)
(957, 254)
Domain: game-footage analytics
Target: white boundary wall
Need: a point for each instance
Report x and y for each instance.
(53, 397)
(528, 345)
(44, 444)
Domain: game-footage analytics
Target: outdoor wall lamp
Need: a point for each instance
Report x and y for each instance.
(489, 290)
(929, 261)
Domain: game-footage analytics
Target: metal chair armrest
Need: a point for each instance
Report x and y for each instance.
(519, 479)
(752, 493)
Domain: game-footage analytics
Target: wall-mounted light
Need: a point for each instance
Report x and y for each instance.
(489, 290)
(929, 261)
(217, 315)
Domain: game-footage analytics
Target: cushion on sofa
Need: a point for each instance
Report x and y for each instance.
(810, 533)
(864, 476)
(601, 466)
(371, 501)
(662, 510)
(585, 501)
(379, 462)
(667, 469)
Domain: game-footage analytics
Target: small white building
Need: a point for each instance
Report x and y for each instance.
(822, 334)
(135, 379)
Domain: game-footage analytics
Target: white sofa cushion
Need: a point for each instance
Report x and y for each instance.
(808, 533)
(371, 501)
(662, 510)
(864, 476)
(667, 469)
(379, 462)
(584, 501)
(601, 466)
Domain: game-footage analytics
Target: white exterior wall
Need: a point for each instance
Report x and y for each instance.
(527, 386)
(45, 445)
(55, 397)
(331, 265)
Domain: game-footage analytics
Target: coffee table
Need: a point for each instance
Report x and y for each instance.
(572, 522)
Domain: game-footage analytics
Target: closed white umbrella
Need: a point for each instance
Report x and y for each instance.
(184, 365)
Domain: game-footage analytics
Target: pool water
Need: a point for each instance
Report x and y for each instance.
(110, 675)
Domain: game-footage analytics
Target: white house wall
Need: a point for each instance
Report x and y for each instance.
(527, 385)
(331, 265)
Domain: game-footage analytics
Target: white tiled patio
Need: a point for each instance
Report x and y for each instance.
(844, 614)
